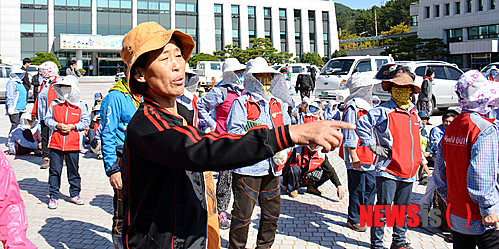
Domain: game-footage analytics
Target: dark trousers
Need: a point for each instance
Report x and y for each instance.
(72, 158)
(487, 240)
(362, 191)
(14, 121)
(35, 92)
(118, 211)
(391, 192)
(304, 93)
(247, 190)
(329, 173)
(45, 139)
(223, 191)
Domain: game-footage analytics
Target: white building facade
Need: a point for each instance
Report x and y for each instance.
(88, 30)
(470, 27)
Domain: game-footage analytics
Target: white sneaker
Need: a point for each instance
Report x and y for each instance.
(52, 203)
(77, 200)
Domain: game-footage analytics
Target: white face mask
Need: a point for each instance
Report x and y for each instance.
(65, 91)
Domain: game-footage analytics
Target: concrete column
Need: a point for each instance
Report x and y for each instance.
(244, 29)
(227, 24)
(305, 31)
(95, 62)
(134, 13)
(50, 34)
(333, 29)
(206, 34)
(79, 58)
(276, 30)
(319, 32)
(260, 22)
(290, 35)
(172, 14)
(94, 18)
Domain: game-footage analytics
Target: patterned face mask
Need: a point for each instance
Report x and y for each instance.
(402, 96)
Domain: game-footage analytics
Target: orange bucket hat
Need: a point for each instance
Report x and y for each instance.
(150, 36)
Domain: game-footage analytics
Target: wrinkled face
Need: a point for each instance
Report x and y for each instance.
(165, 72)
(447, 122)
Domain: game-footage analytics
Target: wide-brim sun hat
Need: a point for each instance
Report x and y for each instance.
(150, 36)
(259, 65)
(189, 70)
(232, 65)
(360, 80)
(400, 79)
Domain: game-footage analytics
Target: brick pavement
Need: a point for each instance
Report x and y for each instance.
(306, 222)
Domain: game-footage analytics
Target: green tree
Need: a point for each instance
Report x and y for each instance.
(260, 47)
(42, 57)
(402, 28)
(201, 57)
(364, 24)
(339, 53)
(312, 58)
(414, 48)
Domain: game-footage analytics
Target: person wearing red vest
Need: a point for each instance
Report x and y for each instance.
(359, 160)
(66, 117)
(395, 124)
(220, 99)
(467, 169)
(50, 74)
(258, 106)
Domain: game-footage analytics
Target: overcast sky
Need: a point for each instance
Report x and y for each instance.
(360, 4)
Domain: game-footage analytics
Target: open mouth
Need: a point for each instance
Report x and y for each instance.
(178, 81)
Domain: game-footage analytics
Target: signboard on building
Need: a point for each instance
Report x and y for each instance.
(88, 42)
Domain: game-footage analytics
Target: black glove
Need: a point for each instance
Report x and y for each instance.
(381, 151)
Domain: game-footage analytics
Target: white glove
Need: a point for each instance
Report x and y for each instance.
(280, 157)
(10, 111)
(213, 128)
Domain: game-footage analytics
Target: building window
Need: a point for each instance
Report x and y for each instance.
(219, 27)
(325, 28)
(186, 19)
(454, 35)
(251, 22)
(479, 5)
(427, 12)
(468, 6)
(267, 14)
(235, 25)
(483, 32)
(437, 11)
(154, 10)
(297, 21)
(414, 21)
(458, 8)
(34, 27)
(447, 9)
(492, 4)
(311, 29)
(114, 17)
(283, 28)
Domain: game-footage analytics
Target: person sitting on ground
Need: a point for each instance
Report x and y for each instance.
(359, 160)
(437, 132)
(331, 111)
(466, 168)
(26, 138)
(163, 153)
(98, 99)
(424, 171)
(92, 133)
(66, 117)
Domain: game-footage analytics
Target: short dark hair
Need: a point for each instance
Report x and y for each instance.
(72, 62)
(449, 114)
(429, 72)
(26, 60)
(135, 86)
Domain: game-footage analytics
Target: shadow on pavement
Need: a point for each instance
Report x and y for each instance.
(3, 140)
(35, 160)
(59, 234)
(36, 188)
(105, 202)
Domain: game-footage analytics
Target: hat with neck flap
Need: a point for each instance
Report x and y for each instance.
(360, 86)
(253, 85)
(229, 76)
(192, 80)
(476, 93)
(67, 89)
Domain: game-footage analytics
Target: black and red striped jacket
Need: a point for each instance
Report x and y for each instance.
(165, 200)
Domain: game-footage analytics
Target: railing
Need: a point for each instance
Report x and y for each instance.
(373, 42)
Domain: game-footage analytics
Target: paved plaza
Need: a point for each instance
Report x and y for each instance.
(306, 222)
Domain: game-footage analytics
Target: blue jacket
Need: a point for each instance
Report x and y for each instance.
(436, 135)
(211, 100)
(117, 109)
(15, 94)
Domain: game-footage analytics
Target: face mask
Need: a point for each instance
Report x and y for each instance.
(266, 84)
(313, 109)
(402, 96)
(493, 72)
(65, 90)
(186, 80)
(241, 77)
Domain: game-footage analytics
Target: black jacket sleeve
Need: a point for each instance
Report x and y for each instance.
(187, 148)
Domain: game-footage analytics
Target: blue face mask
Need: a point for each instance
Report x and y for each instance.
(493, 72)
(186, 80)
(241, 77)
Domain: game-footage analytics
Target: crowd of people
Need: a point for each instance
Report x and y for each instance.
(160, 141)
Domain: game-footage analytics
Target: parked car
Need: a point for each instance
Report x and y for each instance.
(209, 72)
(446, 76)
(485, 70)
(330, 82)
(118, 76)
(4, 78)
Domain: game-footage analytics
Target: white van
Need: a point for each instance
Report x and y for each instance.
(209, 72)
(330, 82)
